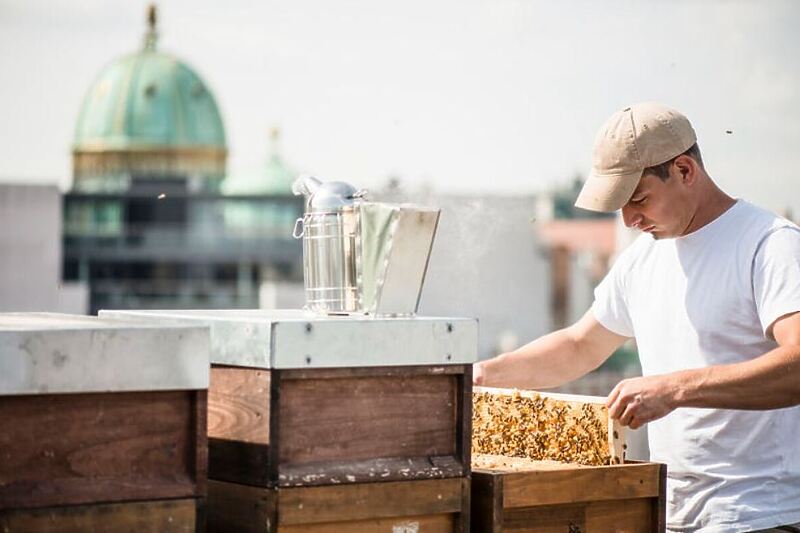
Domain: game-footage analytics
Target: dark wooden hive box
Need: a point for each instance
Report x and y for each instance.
(104, 424)
(520, 495)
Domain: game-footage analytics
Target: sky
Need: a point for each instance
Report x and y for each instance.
(458, 96)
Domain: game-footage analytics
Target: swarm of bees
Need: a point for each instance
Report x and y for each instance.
(539, 428)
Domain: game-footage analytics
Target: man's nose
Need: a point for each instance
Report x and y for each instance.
(630, 217)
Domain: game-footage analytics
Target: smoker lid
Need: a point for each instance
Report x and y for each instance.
(333, 196)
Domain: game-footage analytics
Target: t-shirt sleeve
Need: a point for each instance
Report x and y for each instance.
(776, 275)
(610, 307)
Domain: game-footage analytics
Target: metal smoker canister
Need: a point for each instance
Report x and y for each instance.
(329, 228)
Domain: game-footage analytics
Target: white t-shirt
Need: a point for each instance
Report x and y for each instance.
(707, 299)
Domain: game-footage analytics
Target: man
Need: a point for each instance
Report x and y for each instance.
(711, 292)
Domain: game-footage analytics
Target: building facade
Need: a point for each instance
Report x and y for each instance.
(150, 221)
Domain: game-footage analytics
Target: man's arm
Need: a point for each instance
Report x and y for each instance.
(553, 359)
(771, 381)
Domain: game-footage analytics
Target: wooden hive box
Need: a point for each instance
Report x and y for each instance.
(522, 495)
(300, 402)
(553, 462)
(104, 424)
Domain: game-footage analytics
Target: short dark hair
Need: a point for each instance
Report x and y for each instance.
(662, 170)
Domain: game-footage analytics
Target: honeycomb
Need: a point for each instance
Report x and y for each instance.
(540, 428)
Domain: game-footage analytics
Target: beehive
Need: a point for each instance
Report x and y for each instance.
(336, 423)
(104, 424)
(555, 427)
(547, 462)
(516, 494)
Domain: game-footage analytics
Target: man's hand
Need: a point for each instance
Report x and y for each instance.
(477, 374)
(637, 401)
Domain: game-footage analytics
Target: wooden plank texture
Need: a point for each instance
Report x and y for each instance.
(525, 496)
(429, 505)
(168, 516)
(445, 523)
(87, 448)
(385, 424)
(621, 516)
(198, 446)
(486, 503)
(238, 404)
(341, 503)
(367, 417)
(305, 427)
(548, 519)
(524, 489)
(240, 508)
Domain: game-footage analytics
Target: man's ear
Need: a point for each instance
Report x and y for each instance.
(687, 169)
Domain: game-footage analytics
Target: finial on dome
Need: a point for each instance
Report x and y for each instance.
(151, 37)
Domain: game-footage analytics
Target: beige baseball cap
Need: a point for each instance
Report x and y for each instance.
(640, 136)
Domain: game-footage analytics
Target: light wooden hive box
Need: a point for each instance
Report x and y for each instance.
(545, 462)
(103, 424)
(332, 424)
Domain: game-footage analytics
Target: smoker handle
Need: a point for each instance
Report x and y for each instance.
(298, 222)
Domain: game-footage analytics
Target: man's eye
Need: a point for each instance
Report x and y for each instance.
(639, 201)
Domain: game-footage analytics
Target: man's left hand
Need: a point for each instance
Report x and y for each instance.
(637, 401)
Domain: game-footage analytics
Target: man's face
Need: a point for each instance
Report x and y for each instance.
(663, 208)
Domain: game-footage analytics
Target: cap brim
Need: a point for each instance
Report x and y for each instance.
(606, 194)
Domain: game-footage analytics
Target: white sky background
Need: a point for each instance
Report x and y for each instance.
(467, 96)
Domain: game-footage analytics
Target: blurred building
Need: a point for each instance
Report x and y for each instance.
(30, 252)
(580, 247)
(580, 253)
(152, 219)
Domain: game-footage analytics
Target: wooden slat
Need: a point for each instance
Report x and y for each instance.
(275, 418)
(523, 489)
(240, 508)
(623, 516)
(549, 519)
(660, 505)
(486, 503)
(340, 503)
(367, 417)
(463, 524)
(132, 517)
(87, 448)
(238, 404)
(444, 523)
(199, 443)
(569, 398)
(464, 418)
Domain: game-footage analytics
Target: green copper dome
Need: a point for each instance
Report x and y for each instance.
(148, 114)
(149, 99)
